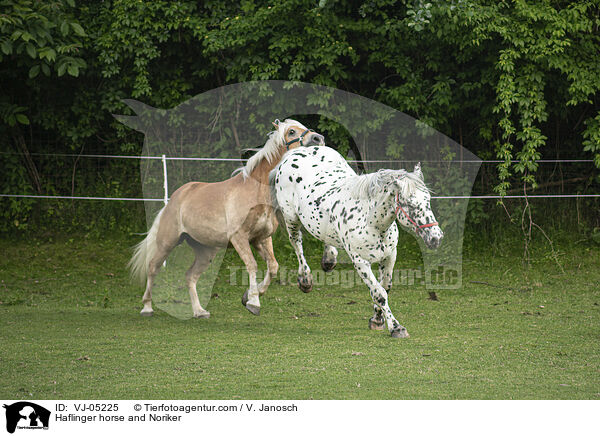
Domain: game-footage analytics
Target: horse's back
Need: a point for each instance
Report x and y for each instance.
(302, 186)
(314, 166)
(187, 189)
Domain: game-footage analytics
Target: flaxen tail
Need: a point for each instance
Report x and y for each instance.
(144, 252)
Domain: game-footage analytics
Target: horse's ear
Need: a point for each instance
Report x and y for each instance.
(139, 121)
(276, 123)
(417, 170)
(132, 121)
(137, 106)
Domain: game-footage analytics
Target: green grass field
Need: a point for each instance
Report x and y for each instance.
(70, 329)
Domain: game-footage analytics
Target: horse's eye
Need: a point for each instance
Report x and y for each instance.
(292, 132)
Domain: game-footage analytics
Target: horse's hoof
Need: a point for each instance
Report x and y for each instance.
(145, 312)
(327, 266)
(400, 333)
(254, 310)
(202, 315)
(375, 325)
(245, 298)
(305, 285)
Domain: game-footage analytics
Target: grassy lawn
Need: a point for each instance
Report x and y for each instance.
(70, 328)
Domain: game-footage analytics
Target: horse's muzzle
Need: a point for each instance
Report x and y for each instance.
(316, 139)
(433, 241)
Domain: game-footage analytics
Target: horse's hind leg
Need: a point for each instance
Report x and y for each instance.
(329, 259)
(147, 298)
(305, 280)
(204, 256)
(167, 238)
(153, 267)
(242, 245)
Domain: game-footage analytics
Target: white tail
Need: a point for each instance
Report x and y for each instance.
(144, 252)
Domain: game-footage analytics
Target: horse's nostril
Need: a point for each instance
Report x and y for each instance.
(317, 139)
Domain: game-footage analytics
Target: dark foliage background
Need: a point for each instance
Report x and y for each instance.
(509, 80)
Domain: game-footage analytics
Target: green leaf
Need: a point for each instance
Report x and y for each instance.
(61, 69)
(64, 28)
(73, 70)
(78, 29)
(6, 46)
(34, 71)
(21, 118)
(46, 69)
(51, 55)
(31, 50)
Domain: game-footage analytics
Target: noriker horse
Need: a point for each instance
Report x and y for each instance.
(209, 216)
(314, 187)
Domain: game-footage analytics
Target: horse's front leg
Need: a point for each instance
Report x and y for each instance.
(242, 246)
(379, 297)
(305, 280)
(329, 259)
(386, 271)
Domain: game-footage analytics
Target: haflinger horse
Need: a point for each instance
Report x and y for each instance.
(210, 216)
(314, 187)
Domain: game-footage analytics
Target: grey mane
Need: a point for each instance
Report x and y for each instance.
(371, 185)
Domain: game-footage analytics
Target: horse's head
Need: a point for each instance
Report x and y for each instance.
(413, 208)
(294, 134)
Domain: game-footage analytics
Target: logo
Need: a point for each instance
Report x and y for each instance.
(201, 139)
(26, 415)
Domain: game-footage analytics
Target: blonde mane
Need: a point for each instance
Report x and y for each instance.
(268, 152)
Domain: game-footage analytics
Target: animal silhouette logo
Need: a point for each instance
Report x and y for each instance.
(201, 138)
(26, 415)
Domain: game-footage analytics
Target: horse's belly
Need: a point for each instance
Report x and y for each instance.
(209, 235)
(316, 222)
(207, 226)
(372, 249)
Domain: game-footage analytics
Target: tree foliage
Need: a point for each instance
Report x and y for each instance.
(512, 80)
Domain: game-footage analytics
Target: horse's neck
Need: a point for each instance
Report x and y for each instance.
(261, 172)
(382, 212)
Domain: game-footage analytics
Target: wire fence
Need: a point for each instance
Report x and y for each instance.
(165, 158)
(216, 159)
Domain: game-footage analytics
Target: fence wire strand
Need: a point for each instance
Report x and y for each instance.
(215, 159)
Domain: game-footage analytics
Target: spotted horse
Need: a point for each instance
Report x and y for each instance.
(315, 188)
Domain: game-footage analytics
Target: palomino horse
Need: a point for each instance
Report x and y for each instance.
(209, 216)
(314, 187)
